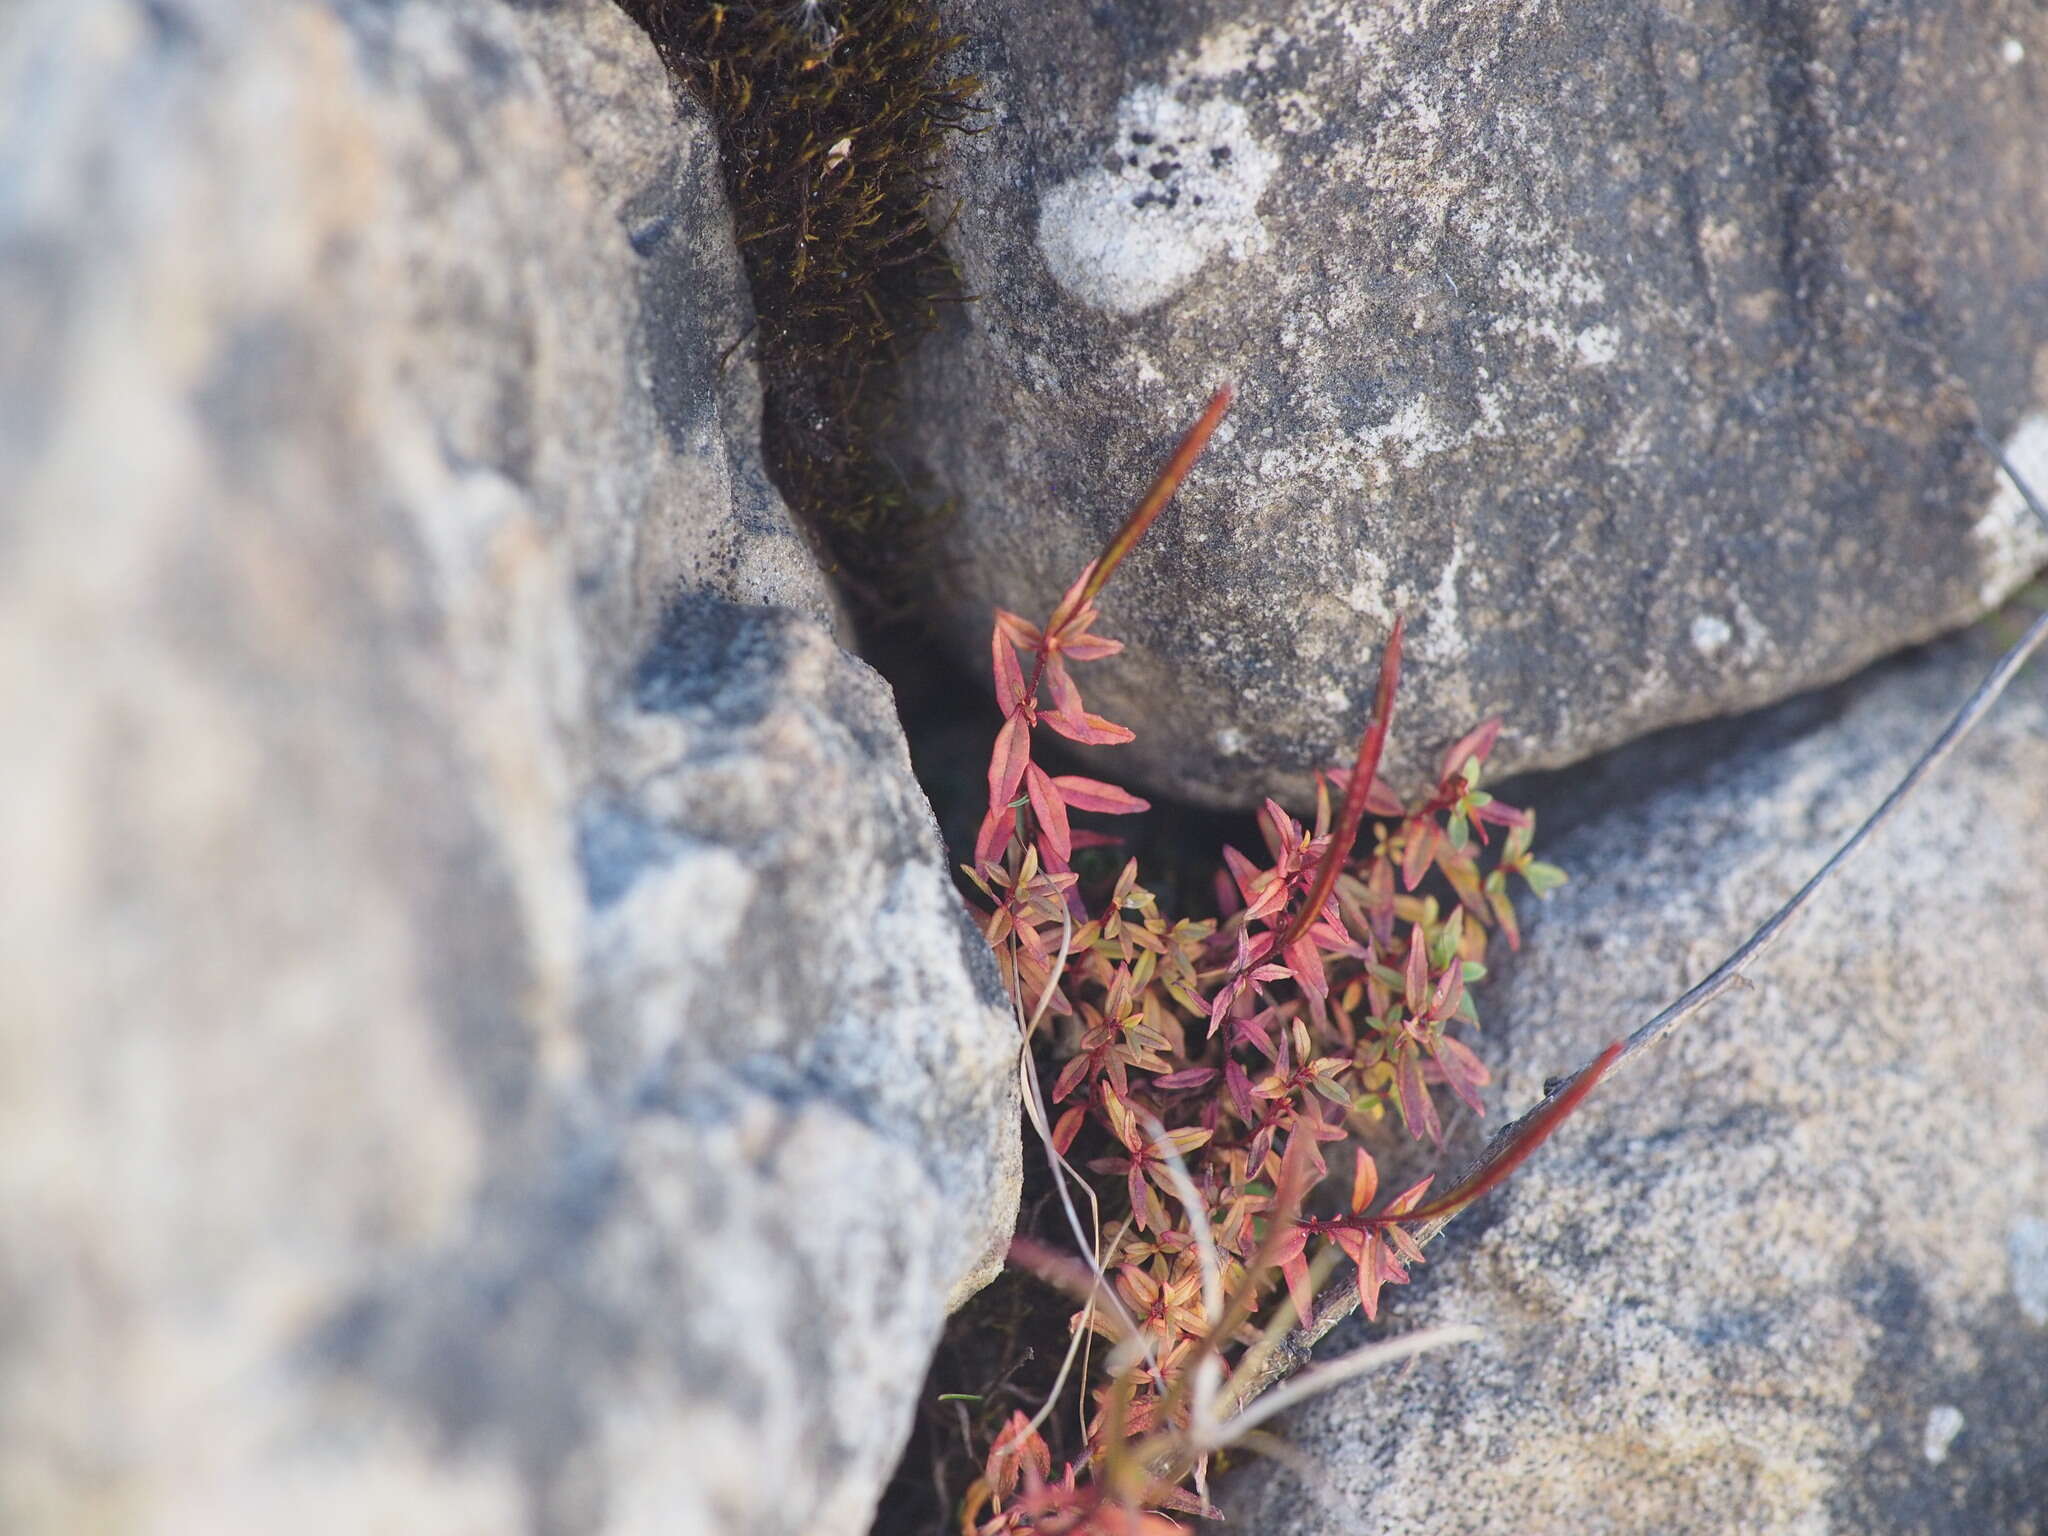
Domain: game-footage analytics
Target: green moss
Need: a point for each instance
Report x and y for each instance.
(832, 116)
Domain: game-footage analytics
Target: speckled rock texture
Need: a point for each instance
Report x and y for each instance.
(1790, 1274)
(1628, 349)
(487, 1040)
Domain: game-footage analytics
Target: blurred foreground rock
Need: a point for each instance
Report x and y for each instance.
(487, 1041)
(1629, 350)
(1790, 1273)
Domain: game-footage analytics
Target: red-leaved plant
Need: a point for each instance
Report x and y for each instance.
(1210, 1068)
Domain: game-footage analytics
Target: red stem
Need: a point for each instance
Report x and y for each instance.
(1141, 518)
(1530, 1135)
(1338, 854)
(1155, 501)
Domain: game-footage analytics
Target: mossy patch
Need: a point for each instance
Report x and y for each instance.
(833, 117)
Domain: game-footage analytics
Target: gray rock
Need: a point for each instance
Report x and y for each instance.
(487, 1041)
(1777, 1278)
(1627, 349)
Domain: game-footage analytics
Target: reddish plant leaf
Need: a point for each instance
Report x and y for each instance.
(1242, 870)
(1094, 795)
(1018, 1448)
(1463, 1071)
(1423, 836)
(1009, 676)
(1145, 1205)
(1295, 1270)
(1067, 1128)
(1228, 903)
(1168, 1498)
(1381, 799)
(1073, 601)
(1279, 829)
(1503, 906)
(1305, 965)
(1239, 1084)
(1270, 895)
(1403, 1204)
(1085, 838)
(1450, 989)
(1051, 812)
(1477, 742)
(1123, 1124)
(1089, 647)
(1415, 975)
(1365, 1182)
(1019, 631)
(1059, 682)
(1007, 763)
(996, 827)
(1089, 730)
(1372, 1275)
(1071, 1077)
(1417, 1108)
(1501, 815)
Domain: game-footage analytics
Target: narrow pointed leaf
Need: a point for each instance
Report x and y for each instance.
(1417, 1108)
(1415, 975)
(1477, 742)
(1085, 794)
(994, 837)
(1089, 647)
(1463, 1071)
(1007, 763)
(1089, 730)
(1009, 676)
(1298, 1290)
(1050, 810)
(1365, 1182)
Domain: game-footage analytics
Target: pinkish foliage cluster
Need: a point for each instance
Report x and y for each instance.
(1227, 1059)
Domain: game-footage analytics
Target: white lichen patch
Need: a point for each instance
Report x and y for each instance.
(2010, 540)
(1944, 1423)
(1409, 436)
(1365, 597)
(1711, 634)
(2026, 1250)
(1566, 279)
(1234, 49)
(1178, 187)
(1543, 299)
(1597, 345)
(1440, 634)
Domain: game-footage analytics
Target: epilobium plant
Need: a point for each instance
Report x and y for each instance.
(1211, 1070)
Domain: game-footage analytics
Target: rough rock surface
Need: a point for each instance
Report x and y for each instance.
(1628, 349)
(487, 1042)
(1790, 1274)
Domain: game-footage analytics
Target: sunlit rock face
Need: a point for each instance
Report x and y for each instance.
(487, 1040)
(1631, 352)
